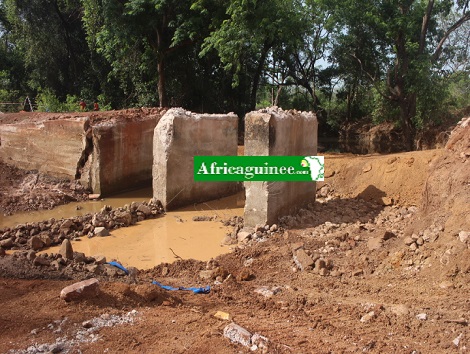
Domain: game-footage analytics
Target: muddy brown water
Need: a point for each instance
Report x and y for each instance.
(153, 241)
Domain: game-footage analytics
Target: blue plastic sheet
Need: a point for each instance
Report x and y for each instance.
(120, 266)
(203, 290)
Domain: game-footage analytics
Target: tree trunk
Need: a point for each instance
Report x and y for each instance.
(278, 92)
(257, 76)
(348, 109)
(407, 112)
(162, 97)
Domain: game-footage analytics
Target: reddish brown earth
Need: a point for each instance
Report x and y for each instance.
(22, 190)
(391, 275)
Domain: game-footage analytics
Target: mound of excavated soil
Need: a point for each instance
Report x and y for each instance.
(396, 179)
(22, 190)
(447, 189)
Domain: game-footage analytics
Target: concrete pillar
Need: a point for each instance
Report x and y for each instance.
(274, 132)
(178, 137)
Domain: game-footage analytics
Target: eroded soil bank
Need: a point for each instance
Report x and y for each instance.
(379, 264)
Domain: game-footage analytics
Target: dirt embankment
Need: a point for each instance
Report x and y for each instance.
(379, 264)
(366, 138)
(22, 190)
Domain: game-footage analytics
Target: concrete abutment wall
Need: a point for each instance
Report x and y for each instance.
(274, 132)
(53, 147)
(178, 137)
(106, 154)
(124, 151)
(122, 156)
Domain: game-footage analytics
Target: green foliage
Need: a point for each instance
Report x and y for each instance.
(47, 101)
(103, 103)
(71, 104)
(344, 59)
(389, 44)
(136, 38)
(50, 37)
(6, 94)
(459, 90)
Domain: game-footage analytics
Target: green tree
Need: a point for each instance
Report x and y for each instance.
(248, 34)
(11, 65)
(50, 38)
(139, 37)
(397, 45)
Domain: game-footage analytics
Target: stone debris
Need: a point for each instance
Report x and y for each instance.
(204, 218)
(464, 237)
(267, 291)
(302, 259)
(259, 342)
(400, 310)
(53, 232)
(35, 243)
(245, 275)
(100, 259)
(66, 250)
(368, 317)
(82, 290)
(238, 334)
(6, 243)
(86, 334)
(41, 261)
(223, 315)
(101, 231)
(422, 316)
(456, 341)
(408, 241)
(243, 236)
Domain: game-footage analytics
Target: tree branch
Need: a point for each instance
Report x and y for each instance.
(460, 22)
(425, 25)
(372, 79)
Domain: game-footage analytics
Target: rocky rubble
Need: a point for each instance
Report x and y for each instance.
(22, 190)
(88, 333)
(35, 236)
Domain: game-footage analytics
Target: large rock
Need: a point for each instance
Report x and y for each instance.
(302, 259)
(123, 217)
(82, 290)
(35, 243)
(237, 334)
(101, 231)
(66, 249)
(7, 243)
